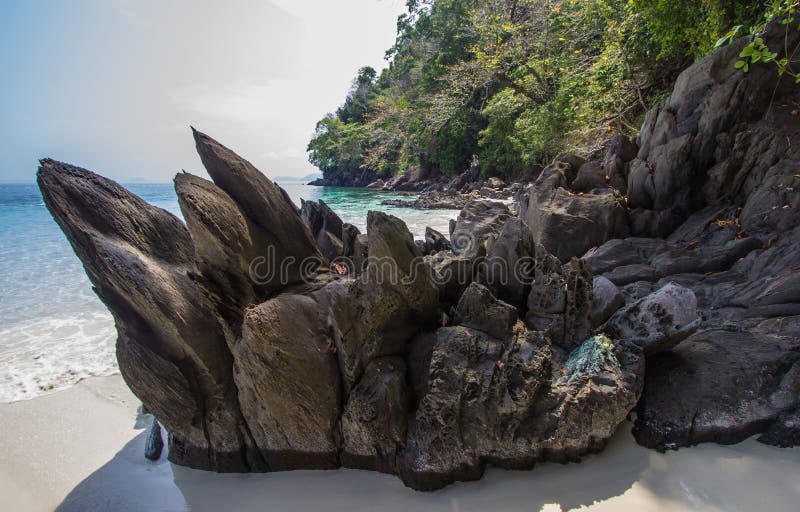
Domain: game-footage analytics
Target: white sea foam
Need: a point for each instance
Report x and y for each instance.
(41, 356)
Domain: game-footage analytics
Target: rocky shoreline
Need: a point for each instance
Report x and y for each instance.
(662, 280)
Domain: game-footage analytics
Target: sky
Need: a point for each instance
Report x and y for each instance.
(113, 85)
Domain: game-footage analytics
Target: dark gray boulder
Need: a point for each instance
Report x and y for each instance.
(568, 224)
(495, 183)
(508, 269)
(658, 321)
(451, 274)
(326, 227)
(154, 444)
(350, 235)
(718, 386)
(435, 241)
(479, 309)
(560, 300)
(616, 163)
(570, 164)
(478, 224)
(606, 300)
(717, 139)
(591, 176)
(375, 418)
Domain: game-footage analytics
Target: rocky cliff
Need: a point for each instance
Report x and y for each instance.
(663, 279)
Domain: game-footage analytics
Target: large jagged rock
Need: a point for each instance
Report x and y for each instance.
(591, 176)
(264, 204)
(394, 299)
(569, 224)
(435, 241)
(478, 224)
(722, 135)
(508, 268)
(326, 228)
(289, 383)
(375, 419)
(616, 164)
(226, 244)
(560, 300)
(317, 369)
(172, 347)
(479, 309)
(451, 274)
(354, 248)
(511, 403)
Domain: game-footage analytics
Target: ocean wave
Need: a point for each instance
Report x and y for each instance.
(46, 355)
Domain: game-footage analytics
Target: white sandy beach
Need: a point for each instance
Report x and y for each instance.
(82, 449)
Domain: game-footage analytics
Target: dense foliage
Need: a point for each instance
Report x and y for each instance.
(517, 81)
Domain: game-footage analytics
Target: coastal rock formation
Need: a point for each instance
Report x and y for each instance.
(172, 347)
(433, 200)
(256, 361)
(721, 136)
(258, 351)
(714, 187)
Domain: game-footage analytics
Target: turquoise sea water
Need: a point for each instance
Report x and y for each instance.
(54, 331)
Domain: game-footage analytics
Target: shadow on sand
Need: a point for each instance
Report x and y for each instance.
(130, 482)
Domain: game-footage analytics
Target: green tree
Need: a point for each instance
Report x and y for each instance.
(519, 81)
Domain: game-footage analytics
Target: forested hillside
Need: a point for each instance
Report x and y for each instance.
(518, 81)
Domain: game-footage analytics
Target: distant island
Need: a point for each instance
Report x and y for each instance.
(305, 179)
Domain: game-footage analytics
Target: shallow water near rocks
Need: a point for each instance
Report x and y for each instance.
(54, 331)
